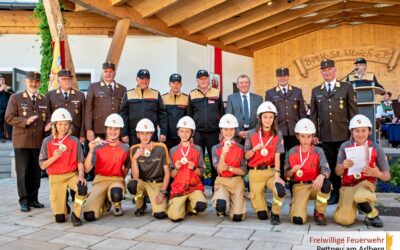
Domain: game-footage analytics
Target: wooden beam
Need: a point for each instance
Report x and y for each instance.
(117, 2)
(149, 8)
(386, 20)
(220, 13)
(185, 10)
(364, 8)
(154, 25)
(377, 1)
(55, 18)
(276, 20)
(287, 27)
(284, 37)
(249, 17)
(118, 41)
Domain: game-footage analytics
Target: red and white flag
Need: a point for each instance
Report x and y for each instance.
(214, 61)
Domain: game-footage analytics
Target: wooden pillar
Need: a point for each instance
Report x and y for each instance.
(118, 41)
(54, 18)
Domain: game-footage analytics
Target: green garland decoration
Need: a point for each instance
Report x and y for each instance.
(46, 50)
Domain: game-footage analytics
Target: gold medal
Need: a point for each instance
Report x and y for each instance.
(184, 160)
(227, 143)
(264, 152)
(295, 106)
(299, 173)
(62, 147)
(97, 141)
(146, 153)
(341, 103)
(357, 176)
(24, 113)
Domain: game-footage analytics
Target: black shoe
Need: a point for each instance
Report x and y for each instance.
(140, 211)
(36, 204)
(221, 214)
(75, 220)
(334, 199)
(25, 208)
(319, 218)
(275, 219)
(375, 222)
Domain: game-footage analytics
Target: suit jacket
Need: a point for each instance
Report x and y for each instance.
(75, 104)
(235, 107)
(19, 109)
(331, 114)
(100, 103)
(290, 107)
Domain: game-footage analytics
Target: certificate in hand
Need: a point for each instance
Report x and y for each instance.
(359, 157)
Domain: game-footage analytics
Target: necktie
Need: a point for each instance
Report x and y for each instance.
(34, 100)
(66, 95)
(329, 89)
(246, 117)
(284, 91)
(111, 88)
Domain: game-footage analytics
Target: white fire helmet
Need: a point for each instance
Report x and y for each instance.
(228, 121)
(114, 121)
(61, 114)
(305, 126)
(145, 125)
(186, 122)
(267, 107)
(360, 121)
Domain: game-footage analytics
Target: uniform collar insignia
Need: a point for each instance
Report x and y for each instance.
(116, 85)
(102, 84)
(25, 95)
(39, 97)
(72, 92)
(58, 91)
(277, 88)
(337, 84)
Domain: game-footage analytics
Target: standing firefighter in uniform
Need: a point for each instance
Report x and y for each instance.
(187, 167)
(62, 156)
(263, 148)
(111, 158)
(175, 103)
(289, 102)
(206, 108)
(358, 188)
(29, 114)
(332, 106)
(103, 99)
(307, 166)
(143, 102)
(71, 99)
(150, 171)
(228, 157)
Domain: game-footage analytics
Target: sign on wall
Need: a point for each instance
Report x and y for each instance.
(387, 56)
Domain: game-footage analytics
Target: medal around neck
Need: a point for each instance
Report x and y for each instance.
(357, 176)
(98, 141)
(146, 153)
(299, 173)
(264, 152)
(227, 143)
(62, 147)
(184, 160)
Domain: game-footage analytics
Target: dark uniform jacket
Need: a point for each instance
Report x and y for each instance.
(176, 107)
(75, 104)
(206, 109)
(138, 104)
(331, 113)
(20, 108)
(290, 107)
(366, 79)
(100, 103)
(4, 97)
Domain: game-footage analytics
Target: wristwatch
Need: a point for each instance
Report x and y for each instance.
(164, 192)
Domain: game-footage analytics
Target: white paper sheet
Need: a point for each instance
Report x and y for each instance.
(359, 158)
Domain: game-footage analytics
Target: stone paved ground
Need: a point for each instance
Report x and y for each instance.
(37, 229)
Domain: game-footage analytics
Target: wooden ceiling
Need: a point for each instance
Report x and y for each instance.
(241, 26)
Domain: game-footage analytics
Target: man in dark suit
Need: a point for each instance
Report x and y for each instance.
(289, 102)
(243, 105)
(333, 104)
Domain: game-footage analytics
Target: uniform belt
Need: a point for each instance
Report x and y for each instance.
(302, 182)
(153, 181)
(262, 167)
